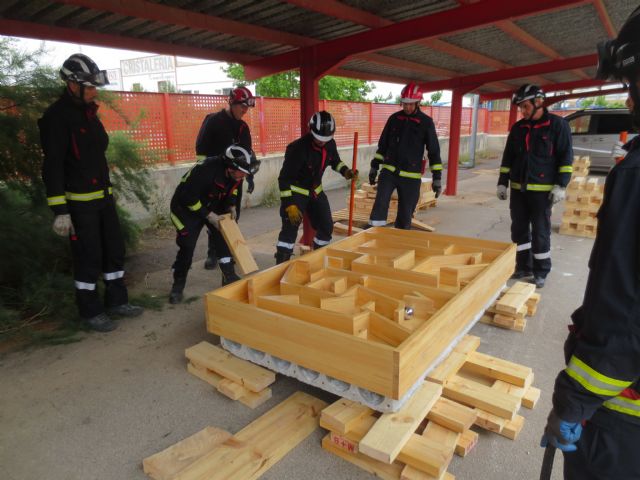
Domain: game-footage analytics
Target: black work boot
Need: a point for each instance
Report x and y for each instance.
(282, 256)
(175, 296)
(538, 281)
(520, 274)
(125, 310)
(100, 323)
(229, 274)
(211, 263)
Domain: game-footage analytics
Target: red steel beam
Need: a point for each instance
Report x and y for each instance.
(427, 26)
(49, 32)
(511, 73)
(156, 12)
(605, 18)
(549, 88)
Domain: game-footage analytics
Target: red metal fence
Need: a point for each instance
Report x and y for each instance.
(168, 123)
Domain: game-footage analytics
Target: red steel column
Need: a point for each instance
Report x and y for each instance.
(308, 106)
(454, 142)
(168, 128)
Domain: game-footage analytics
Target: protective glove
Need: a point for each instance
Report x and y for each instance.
(351, 174)
(557, 194)
(562, 435)
(294, 214)
(502, 192)
(617, 152)
(214, 220)
(63, 226)
(436, 186)
(250, 184)
(233, 213)
(373, 174)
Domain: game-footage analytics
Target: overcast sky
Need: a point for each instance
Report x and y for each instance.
(109, 58)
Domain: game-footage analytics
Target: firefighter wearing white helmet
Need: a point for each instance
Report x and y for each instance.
(205, 192)
(76, 176)
(217, 132)
(595, 419)
(399, 158)
(537, 162)
(300, 183)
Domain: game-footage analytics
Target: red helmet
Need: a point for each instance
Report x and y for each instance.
(411, 93)
(242, 95)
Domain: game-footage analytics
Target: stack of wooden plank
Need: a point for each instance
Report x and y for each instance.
(215, 454)
(233, 377)
(584, 197)
(365, 197)
(515, 303)
(418, 442)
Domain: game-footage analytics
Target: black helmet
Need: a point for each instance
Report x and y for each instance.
(620, 57)
(322, 126)
(242, 159)
(81, 69)
(527, 92)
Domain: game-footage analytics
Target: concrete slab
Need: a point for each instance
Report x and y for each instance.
(95, 409)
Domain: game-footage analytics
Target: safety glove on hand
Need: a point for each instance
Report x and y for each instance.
(373, 175)
(294, 214)
(214, 220)
(557, 194)
(561, 434)
(501, 192)
(436, 186)
(250, 184)
(63, 226)
(351, 174)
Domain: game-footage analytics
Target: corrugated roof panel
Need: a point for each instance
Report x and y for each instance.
(570, 32)
(619, 11)
(427, 56)
(494, 43)
(361, 66)
(402, 9)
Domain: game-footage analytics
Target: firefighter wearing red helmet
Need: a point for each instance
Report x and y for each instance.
(217, 132)
(595, 419)
(76, 176)
(399, 159)
(537, 161)
(300, 182)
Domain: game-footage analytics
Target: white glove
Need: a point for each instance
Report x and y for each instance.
(557, 194)
(214, 220)
(617, 151)
(501, 192)
(63, 226)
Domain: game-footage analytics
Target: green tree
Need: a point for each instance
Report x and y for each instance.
(287, 85)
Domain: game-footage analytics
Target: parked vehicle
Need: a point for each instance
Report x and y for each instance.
(594, 132)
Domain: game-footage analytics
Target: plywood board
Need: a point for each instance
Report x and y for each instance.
(238, 245)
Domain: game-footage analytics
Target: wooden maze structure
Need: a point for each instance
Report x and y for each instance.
(367, 317)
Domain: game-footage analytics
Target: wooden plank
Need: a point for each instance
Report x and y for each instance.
(455, 360)
(342, 229)
(513, 427)
(165, 465)
(379, 469)
(237, 245)
(390, 433)
(499, 369)
(422, 226)
(531, 397)
(452, 415)
(261, 444)
(343, 414)
(254, 377)
(515, 297)
(477, 395)
(445, 441)
(490, 422)
(249, 398)
(466, 442)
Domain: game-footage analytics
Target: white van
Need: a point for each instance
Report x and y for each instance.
(594, 132)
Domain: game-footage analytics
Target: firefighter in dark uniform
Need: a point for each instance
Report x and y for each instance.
(600, 387)
(537, 161)
(205, 192)
(76, 177)
(217, 132)
(400, 156)
(300, 182)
